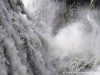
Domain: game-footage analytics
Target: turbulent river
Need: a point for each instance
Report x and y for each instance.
(42, 41)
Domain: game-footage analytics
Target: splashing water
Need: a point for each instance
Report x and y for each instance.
(75, 43)
(74, 48)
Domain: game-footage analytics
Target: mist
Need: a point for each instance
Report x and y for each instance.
(76, 39)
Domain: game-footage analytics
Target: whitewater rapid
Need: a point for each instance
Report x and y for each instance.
(75, 43)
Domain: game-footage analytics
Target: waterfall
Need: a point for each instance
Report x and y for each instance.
(49, 37)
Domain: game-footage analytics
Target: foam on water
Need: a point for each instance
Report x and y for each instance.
(78, 37)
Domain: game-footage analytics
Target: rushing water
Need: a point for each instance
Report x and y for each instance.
(48, 40)
(74, 49)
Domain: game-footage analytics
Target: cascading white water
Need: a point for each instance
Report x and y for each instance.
(75, 43)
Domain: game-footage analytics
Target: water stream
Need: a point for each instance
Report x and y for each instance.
(50, 38)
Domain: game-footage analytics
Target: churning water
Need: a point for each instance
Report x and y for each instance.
(75, 48)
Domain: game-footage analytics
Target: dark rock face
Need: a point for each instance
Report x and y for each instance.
(69, 10)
